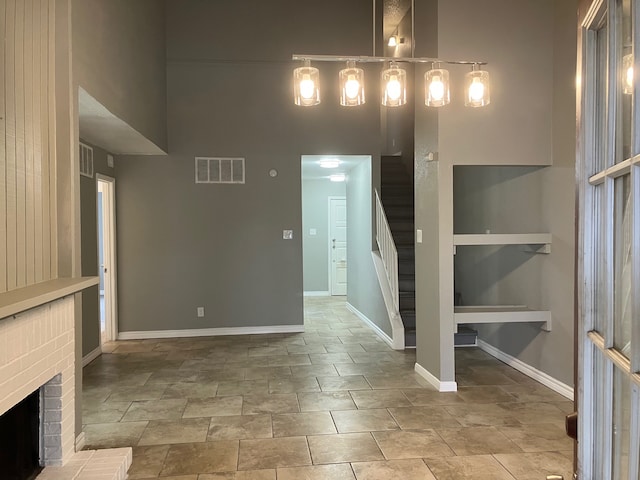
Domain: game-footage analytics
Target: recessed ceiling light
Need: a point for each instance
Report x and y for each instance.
(338, 177)
(330, 163)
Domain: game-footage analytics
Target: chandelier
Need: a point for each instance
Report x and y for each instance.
(393, 81)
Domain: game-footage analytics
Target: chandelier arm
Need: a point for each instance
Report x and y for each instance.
(371, 59)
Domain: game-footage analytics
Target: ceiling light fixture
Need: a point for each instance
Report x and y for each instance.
(330, 163)
(395, 40)
(627, 74)
(338, 177)
(393, 87)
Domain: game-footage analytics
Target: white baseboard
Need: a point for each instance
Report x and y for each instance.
(429, 377)
(369, 323)
(317, 294)
(91, 356)
(209, 332)
(538, 375)
(80, 441)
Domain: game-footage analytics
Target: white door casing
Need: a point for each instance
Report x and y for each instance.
(338, 245)
(106, 186)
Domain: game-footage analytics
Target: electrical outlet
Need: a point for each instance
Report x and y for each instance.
(200, 311)
(287, 234)
(418, 236)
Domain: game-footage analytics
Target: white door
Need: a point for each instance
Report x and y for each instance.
(608, 173)
(338, 245)
(107, 258)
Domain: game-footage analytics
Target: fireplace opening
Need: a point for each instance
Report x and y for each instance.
(20, 440)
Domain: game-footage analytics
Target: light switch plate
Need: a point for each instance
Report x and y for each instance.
(110, 161)
(200, 311)
(287, 234)
(418, 236)
(312, 231)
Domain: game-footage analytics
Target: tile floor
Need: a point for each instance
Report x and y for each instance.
(332, 403)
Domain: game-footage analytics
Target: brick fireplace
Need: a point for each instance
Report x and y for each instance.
(37, 354)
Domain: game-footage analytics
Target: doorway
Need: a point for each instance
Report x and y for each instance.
(107, 257)
(338, 245)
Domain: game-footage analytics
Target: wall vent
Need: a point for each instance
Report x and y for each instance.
(219, 170)
(86, 160)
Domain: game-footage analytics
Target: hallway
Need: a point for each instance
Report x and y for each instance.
(332, 403)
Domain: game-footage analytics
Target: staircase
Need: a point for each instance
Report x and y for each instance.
(397, 198)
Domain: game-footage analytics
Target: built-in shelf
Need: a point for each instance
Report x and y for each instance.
(26, 298)
(501, 314)
(539, 242)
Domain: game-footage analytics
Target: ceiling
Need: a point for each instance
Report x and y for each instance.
(393, 13)
(311, 169)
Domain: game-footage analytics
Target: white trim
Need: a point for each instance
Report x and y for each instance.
(538, 375)
(109, 243)
(91, 356)
(429, 377)
(373, 326)
(80, 441)
(209, 332)
(329, 244)
(397, 327)
(325, 293)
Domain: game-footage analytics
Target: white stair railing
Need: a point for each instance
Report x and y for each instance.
(388, 251)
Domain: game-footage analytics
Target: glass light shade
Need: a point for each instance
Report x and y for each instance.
(437, 89)
(351, 85)
(477, 91)
(393, 41)
(627, 74)
(394, 86)
(306, 85)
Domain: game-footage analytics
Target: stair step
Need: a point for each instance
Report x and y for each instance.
(399, 226)
(397, 189)
(397, 200)
(409, 338)
(403, 237)
(408, 318)
(407, 301)
(464, 337)
(407, 283)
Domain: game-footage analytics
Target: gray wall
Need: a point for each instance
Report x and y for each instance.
(529, 123)
(182, 245)
(89, 231)
(363, 288)
(315, 214)
(119, 59)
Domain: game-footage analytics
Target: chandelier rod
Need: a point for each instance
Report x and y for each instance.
(372, 59)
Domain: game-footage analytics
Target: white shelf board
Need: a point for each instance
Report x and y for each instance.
(501, 314)
(502, 239)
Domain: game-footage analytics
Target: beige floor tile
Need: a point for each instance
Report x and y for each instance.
(168, 409)
(248, 387)
(344, 348)
(422, 397)
(535, 413)
(485, 394)
(313, 371)
(533, 393)
(392, 469)
(351, 421)
(269, 474)
(482, 414)
(160, 432)
(288, 360)
(483, 378)
(104, 412)
(348, 447)
(413, 418)
(240, 427)
(190, 390)
(325, 401)
(147, 462)
(298, 349)
(230, 374)
(412, 444)
(131, 394)
(162, 377)
(294, 385)
(477, 467)
(317, 472)
(330, 358)
(113, 435)
(211, 407)
(534, 466)
(270, 403)
(361, 369)
(395, 381)
(379, 399)
(273, 453)
(267, 351)
(477, 441)
(260, 373)
(349, 382)
(297, 424)
(542, 437)
(195, 458)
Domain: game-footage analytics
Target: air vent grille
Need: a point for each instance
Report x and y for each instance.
(219, 170)
(86, 160)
